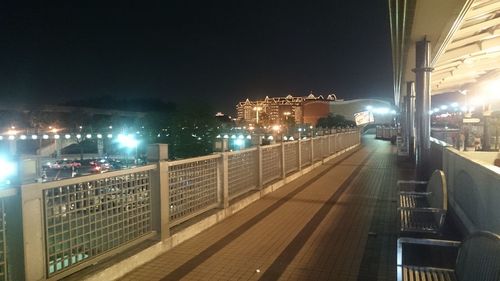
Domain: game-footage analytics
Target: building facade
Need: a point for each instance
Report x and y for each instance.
(300, 110)
(307, 110)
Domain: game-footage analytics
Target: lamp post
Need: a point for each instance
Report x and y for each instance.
(257, 109)
(287, 113)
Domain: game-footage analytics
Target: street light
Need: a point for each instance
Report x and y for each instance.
(128, 141)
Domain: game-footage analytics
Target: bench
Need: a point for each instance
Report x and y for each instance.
(478, 259)
(423, 211)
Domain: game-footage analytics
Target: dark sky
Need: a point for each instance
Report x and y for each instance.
(218, 51)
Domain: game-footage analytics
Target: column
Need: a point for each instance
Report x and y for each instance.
(410, 118)
(423, 105)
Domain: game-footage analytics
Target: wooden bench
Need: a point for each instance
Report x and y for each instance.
(423, 211)
(478, 260)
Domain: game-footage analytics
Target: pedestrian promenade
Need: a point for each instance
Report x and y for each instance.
(336, 223)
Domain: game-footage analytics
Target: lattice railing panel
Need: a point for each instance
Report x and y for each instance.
(86, 219)
(331, 139)
(305, 152)
(271, 163)
(317, 148)
(242, 172)
(291, 156)
(192, 187)
(341, 141)
(325, 150)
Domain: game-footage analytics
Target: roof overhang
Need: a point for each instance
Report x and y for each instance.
(465, 39)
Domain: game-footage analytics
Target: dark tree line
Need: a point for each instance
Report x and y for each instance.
(189, 129)
(334, 121)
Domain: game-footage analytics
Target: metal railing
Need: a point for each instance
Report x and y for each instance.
(332, 140)
(83, 218)
(325, 146)
(291, 156)
(76, 222)
(242, 172)
(271, 163)
(305, 152)
(193, 185)
(317, 151)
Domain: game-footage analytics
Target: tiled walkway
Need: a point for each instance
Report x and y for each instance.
(336, 223)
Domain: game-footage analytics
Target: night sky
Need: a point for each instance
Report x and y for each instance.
(215, 51)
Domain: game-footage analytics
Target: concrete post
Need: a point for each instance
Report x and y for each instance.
(410, 118)
(299, 154)
(423, 105)
(160, 190)
(259, 167)
(329, 145)
(283, 168)
(224, 181)
(312, 149)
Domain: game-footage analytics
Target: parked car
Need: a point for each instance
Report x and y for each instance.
(99, 166)
(63, 164)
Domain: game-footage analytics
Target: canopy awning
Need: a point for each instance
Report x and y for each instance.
(465, 39)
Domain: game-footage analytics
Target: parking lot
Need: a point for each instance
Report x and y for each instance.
(62, 169)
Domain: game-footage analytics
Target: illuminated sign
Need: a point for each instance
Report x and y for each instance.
(471, 120)
(363, 117)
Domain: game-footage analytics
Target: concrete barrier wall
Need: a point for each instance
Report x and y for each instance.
(474, 190)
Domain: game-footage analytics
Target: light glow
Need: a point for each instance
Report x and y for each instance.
(7, 169)
(239, 142)
(127, 141)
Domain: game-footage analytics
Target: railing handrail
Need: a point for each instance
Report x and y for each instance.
(271, 145)
(76, 180)
(194, 159)
(290, 142)
(229, 153)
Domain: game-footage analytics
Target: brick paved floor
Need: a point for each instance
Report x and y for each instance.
(336, 223)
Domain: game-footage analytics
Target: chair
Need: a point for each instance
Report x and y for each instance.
(423, 211)
(478, 260)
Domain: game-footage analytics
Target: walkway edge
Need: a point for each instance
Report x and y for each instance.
(121, 268)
